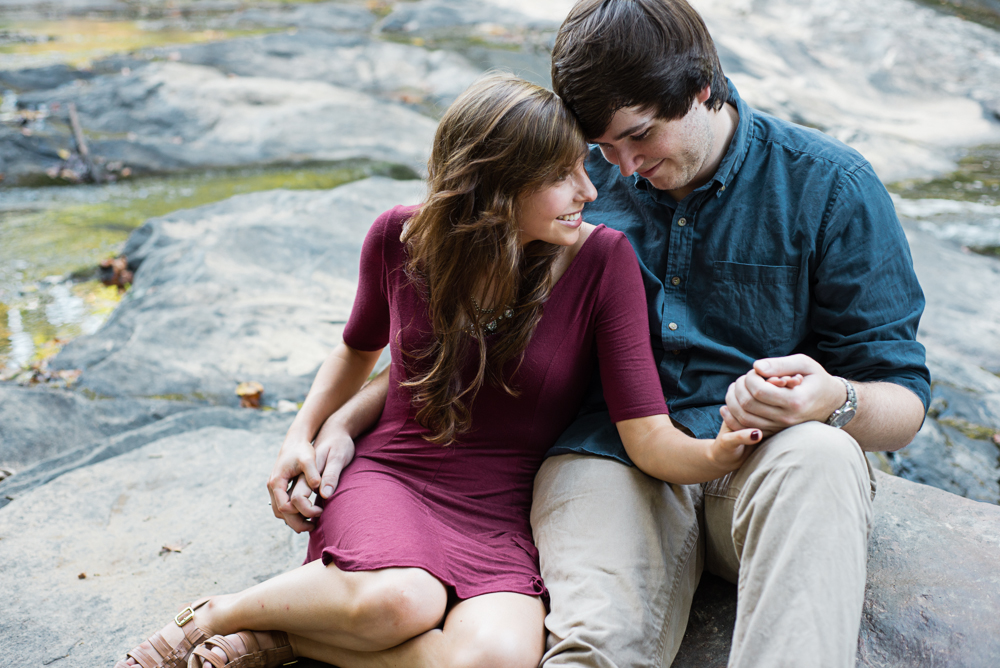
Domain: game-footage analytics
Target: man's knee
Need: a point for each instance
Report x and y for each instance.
(813, 450)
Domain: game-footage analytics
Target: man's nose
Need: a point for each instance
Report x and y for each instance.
(628, 161)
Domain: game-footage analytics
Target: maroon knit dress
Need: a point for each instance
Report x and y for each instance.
(461, 511)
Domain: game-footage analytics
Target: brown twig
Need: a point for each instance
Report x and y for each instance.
(81, 144)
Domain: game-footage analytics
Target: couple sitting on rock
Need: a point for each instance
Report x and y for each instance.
(773, 308)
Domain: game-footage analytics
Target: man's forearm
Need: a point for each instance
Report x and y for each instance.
(888, 416)
(362, 411)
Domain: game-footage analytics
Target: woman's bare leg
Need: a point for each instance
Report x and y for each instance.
(500, 630)
(360, 610)
(363, 610)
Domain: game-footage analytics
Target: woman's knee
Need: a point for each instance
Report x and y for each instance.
(396, 605)
(496, 648)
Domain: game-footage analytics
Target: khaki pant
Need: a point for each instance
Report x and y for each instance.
(622, 554)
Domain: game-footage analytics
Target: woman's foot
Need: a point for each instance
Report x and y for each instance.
(245, 649)
(170, 646)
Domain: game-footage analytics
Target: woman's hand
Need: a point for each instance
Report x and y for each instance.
(296, 462)
(731, 448)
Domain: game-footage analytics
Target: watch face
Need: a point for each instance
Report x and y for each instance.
(841, 418)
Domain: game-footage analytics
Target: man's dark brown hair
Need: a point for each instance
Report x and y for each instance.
(612, 54)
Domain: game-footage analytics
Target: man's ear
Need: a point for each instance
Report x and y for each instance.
(705, 93)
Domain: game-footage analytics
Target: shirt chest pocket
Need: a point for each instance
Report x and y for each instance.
(752, 307)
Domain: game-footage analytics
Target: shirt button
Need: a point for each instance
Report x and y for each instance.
(676, 352)
(676, 280)
(672, 326)
(682, 222)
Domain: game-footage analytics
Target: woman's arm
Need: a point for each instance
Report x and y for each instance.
(338, 379)
(663, 451)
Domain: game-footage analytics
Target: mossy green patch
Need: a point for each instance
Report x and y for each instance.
(64, 237)
(194, 396)
(80, 41)
(970, 10)
(993, 251)
(974, 431)
(977, 179)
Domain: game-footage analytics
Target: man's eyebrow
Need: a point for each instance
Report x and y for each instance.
(632, 130)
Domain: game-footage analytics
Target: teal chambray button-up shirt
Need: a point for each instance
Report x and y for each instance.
(793, 247)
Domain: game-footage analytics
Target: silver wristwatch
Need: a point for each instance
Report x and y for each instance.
(845, 413)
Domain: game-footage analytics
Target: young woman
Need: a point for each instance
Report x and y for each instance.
(497, 302)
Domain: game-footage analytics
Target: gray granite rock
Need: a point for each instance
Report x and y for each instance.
(202, 492)
(960, 329)
(257, 287)
(933, 583)
(428, 16)
(335, 16)
(38, 423)
(386, 69)
(932, 594)
(167, 116)
(90, 449)
(903, 83)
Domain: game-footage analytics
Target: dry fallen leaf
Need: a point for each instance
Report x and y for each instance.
(249, 394)
(82, 576)
(172, 547)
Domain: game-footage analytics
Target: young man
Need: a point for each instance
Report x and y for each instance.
(768, 250)
(771, 256)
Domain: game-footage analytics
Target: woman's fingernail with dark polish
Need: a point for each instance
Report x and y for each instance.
(755, 435)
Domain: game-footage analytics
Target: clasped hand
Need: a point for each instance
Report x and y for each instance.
(308, 468)
(781, 392)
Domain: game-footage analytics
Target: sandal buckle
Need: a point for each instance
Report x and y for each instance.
(184, 616)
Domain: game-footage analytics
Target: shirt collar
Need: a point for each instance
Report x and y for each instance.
(731, 162)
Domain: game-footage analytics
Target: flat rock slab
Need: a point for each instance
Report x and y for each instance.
(898, 80)
(399, 72)
(169, 116)
(932, 594)
(960, 328)
(202, 493)
(38, 423)
(257, 287)
(89, 450)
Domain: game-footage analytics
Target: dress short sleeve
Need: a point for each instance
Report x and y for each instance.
(628, 373)
(368, 327)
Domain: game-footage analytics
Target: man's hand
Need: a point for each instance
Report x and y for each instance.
(752, 401)
(296, 462)
(334, 451)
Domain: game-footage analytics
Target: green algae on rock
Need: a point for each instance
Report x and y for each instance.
(977, 179)
(50, 233)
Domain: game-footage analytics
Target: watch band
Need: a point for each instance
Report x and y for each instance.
(845, 413)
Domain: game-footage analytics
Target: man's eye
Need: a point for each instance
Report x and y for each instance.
(642, 135)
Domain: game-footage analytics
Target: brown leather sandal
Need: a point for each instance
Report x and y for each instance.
(255, 657)
(163, 655)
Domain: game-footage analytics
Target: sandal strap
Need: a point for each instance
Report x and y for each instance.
(165, 655)
(144, 658)
(249, 639)
(253, 657)
(160, 645)
(202, 656)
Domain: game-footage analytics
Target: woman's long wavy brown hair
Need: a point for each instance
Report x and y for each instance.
(502, 139)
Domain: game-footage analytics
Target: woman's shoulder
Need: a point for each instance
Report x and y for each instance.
(389, 224)
(606, 244)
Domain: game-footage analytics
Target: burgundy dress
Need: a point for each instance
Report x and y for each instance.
(461, 511)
